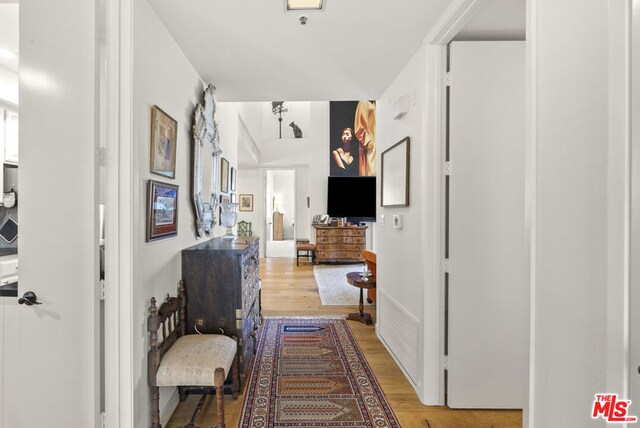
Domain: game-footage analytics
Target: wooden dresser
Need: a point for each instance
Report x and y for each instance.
(340, 244)
(223, 292)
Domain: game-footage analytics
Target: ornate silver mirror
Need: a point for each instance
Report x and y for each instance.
(206, 142)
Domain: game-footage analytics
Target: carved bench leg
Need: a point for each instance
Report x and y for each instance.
(219, 384)
(155, 407)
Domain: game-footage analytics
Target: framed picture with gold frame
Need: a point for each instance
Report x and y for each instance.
(164, 136)
(224, 175)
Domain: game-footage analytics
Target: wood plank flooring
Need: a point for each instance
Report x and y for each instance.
(288, 290)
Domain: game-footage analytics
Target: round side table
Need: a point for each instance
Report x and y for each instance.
(356, 280)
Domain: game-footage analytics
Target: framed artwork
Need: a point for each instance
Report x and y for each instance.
(246, 202)
(395, 175)
(233, 179)
(162, 210)
(164, 135)
(223, 200)
(224, 175)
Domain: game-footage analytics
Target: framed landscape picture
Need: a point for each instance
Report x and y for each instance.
(246, 202)
(164, 135)
(162, 210)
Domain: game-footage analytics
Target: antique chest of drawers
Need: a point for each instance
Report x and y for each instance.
(223, 293)
(340, 244)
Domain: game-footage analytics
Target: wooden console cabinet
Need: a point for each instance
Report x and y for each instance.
(223, 292)
(340, 244)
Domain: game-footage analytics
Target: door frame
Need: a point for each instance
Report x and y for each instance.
(116, 82)
(619, 191)
(269, 229)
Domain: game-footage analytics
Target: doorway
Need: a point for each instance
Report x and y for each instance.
(280, 212)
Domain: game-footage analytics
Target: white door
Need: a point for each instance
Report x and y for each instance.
(635, 217)
(488, 283)
(51, 350)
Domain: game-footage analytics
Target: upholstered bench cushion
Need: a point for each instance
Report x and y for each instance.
(305, 247)
(194, 358)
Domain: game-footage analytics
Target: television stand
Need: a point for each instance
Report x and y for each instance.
(340, 244)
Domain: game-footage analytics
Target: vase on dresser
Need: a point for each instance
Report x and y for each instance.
(223, 293)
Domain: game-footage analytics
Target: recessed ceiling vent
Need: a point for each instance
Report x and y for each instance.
(296, 5)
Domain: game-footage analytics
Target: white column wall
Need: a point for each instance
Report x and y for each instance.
(569, 312)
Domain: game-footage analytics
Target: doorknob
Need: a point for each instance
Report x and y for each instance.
(29, 298)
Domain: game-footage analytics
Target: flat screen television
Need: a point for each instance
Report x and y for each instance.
(352, 197)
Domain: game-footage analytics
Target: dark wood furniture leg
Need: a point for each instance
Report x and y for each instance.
(196, 412)
(219, 383)
(235, 379)
(155, 407)
(361, 316)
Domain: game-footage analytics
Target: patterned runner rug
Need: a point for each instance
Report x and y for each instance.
(310, 372)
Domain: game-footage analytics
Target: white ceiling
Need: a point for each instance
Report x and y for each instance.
(9, 35)
(253, 50)
(497, 20)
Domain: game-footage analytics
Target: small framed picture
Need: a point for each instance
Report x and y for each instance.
(224, 175)
(233, 179)
(164, 135)
(162, 210)
(246, 202)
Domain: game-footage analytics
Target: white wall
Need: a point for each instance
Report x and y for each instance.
(401, 254)
(251, 181)
(309, 156)
(164, 76)
(569, 292)
(8, 86)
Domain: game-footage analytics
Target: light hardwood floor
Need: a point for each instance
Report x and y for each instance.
(288, 290)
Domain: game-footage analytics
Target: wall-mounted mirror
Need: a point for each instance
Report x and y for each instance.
(395, 175)
(206, 151)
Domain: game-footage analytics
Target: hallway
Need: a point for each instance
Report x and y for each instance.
(291, 291)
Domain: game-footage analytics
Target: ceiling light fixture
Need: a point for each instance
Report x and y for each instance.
(304, 4)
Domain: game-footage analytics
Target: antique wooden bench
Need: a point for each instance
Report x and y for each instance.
(199, 361)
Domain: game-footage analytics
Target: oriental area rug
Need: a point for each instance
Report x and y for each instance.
(310, 372)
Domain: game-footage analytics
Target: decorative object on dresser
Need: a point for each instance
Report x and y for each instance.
(205, 137)
(340, 244)
(222, 277)
(162, 210)
(228, 218)
(164, 137)
(200, 361)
